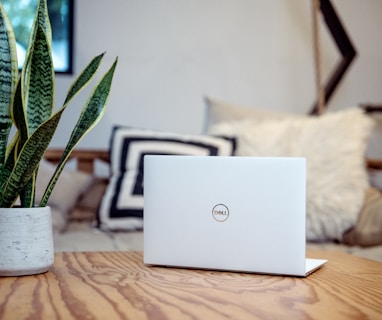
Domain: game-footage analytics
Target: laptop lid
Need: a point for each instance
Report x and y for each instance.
(226, 213)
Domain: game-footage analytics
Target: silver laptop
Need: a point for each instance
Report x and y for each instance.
(226, 213)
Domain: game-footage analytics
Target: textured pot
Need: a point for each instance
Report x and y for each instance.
(26, 241)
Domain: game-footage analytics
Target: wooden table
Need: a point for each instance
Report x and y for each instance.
(116, 285)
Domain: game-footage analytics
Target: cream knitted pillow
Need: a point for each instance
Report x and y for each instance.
(333, 144)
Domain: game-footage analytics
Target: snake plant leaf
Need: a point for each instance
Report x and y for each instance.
(94, 108)
(28, 160)
(18, 114)
(10, 159)
(7, 167)
(86, 75)
(80, 82)
(37, 82)
(8, 79)
(91, 114)
(27, 194)
(41, 19)
(18, 117)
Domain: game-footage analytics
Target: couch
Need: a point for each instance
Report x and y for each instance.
(344, 203)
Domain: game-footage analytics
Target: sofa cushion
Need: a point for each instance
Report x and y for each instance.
(334, 145)
(87, 205)
(122, 204)
(368, 229)
(70, 185)
(219, 111)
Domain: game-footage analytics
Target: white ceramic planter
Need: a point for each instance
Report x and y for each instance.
(26, 241)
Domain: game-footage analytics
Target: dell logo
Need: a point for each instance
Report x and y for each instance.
(220, 212)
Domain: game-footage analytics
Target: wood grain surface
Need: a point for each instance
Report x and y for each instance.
(116, 285)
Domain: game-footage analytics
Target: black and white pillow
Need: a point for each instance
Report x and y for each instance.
(122, 204)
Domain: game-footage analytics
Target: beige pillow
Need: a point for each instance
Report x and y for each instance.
(368, 229)
(333, 144)
(219, 111)
(89, 202)
(70, 185)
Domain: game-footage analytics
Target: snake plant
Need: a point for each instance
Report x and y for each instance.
(26, 105)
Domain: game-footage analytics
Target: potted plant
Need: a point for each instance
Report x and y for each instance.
(26, 104)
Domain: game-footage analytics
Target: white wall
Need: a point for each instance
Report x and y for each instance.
(252, 52)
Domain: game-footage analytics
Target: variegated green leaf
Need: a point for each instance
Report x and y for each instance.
(18, 114)
(27, 194)
(28, 160)
(90, 116)
(37, 85)
(41, 19)
(86, 75)
(7, 167)
(94, 107)
(8, 79)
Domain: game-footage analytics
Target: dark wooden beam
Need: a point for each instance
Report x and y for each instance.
(344, 46)
(371, 108)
